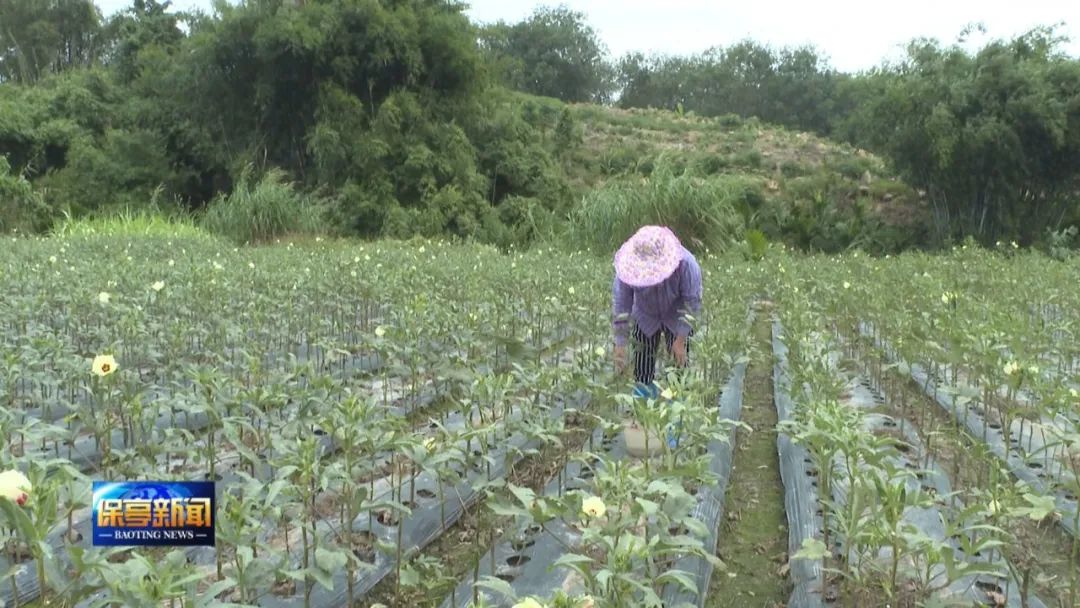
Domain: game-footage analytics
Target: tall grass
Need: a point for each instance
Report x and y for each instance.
(703, 212)
(265, 210)
(130, 222)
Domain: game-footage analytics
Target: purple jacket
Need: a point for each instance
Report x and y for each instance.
(664, 305)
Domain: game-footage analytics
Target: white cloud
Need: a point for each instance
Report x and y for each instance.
(854, 35)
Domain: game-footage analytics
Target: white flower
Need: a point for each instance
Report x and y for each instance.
(1011, 368)
(251, 265)
(847, 285)
(600, 351)
(668, 394)
(1073, 393)
(421, 249)
(356, 260)
(1014, 245)
(571, 290)
(353, 274)
(52, 259)
(593, 506)
(172, 263)
(995, 507)
(103, 365)
(103, 297)
(15, 487)
(380, 331)
(158, 285)
(1033, 370)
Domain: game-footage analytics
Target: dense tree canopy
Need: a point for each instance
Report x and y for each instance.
(383, 108)
(554, 53)
(398, 116)
(42, 37)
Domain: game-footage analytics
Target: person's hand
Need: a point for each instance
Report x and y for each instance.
(620, 359)
(678, 349)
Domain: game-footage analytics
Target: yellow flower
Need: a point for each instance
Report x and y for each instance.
(593, 506)
(1011, 368)
(15, 487)
(104, 365)
(528, 603)
(380, 331)
(103, 297)
(1073, 393)
(158, 285)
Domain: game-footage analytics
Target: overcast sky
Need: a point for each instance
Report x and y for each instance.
(853, 35)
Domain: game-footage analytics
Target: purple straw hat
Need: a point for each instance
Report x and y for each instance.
(648, 257)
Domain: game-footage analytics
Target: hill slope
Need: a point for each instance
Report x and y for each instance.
(809, 192)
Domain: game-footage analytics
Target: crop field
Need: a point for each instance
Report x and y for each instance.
(435, 425)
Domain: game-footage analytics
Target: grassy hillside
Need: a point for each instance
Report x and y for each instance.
(796, 187)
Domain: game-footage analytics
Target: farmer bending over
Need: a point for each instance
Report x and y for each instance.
(657, 285)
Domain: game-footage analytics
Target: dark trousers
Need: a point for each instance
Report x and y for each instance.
(645, 348)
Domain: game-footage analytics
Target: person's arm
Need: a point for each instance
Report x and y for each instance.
(690, 288)
(623, 304)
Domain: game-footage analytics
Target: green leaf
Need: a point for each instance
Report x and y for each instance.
(524, 495)
(331, 561)
(649, 507)
(323, 578)
(409, 577)
(812, 549)
(679, 577)
(218, 588)
(497, 585)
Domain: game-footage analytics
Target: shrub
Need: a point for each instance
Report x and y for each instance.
(711, 164)
(271, 208)
(21, 208)
(702, 211)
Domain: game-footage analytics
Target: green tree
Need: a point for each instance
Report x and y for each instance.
(42, 37)
(553, 53)
(994, 137)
